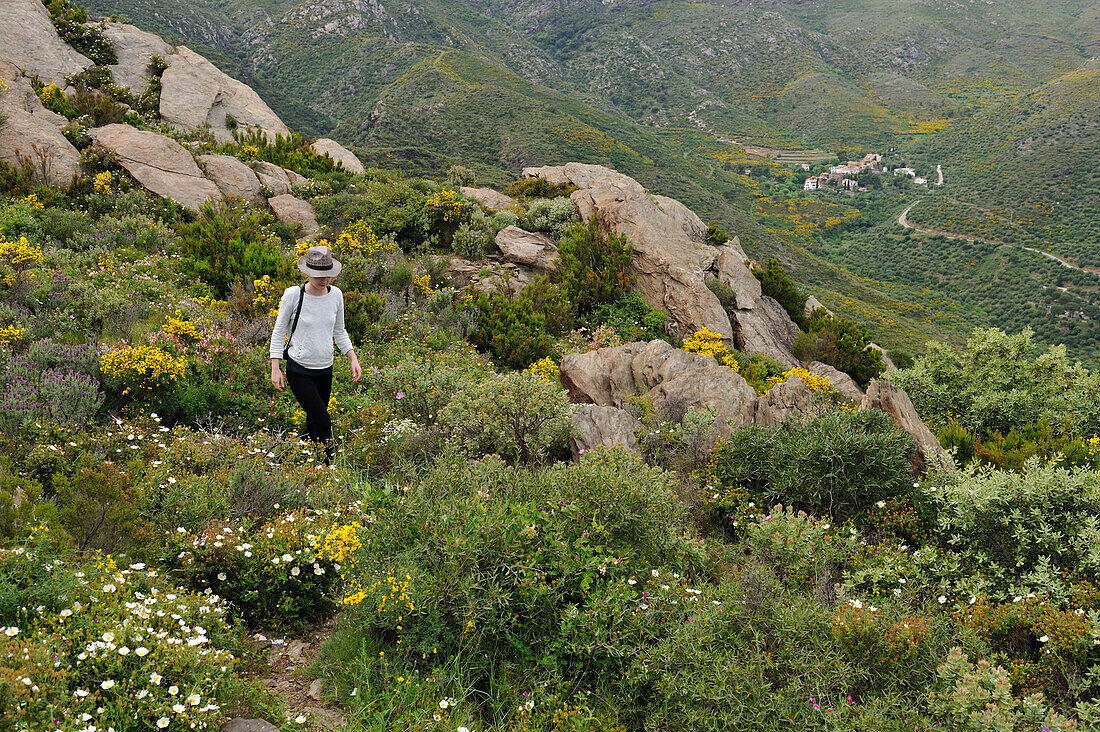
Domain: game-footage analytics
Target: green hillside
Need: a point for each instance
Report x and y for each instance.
(660, 89)
(1025, 172)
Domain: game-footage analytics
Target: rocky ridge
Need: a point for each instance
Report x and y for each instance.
(194, 96)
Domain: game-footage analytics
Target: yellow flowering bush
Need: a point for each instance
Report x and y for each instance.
(445, 204)
(264, 296)
(180, 326)
(142, 370)
(9, 334)
(706, 342)
(247, 152)
(16, 257)
(544, 369)
(31, 199)
(282, 573)
(103, 182)
(816, 384)
(423, 284)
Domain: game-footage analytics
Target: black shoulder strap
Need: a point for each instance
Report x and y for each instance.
(297, 314)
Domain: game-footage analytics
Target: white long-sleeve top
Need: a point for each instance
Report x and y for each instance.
(321, 322)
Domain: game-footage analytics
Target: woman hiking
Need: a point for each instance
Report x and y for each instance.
(311, 317)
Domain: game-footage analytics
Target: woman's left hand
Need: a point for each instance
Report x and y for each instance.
(356, 369)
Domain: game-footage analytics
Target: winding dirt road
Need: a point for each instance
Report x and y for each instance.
(904, 221)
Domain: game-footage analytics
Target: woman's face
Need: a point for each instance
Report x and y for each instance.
(320, 283)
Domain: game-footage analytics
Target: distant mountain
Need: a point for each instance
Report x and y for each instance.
(783, 72)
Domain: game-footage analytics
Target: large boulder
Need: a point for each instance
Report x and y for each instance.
(29, 40)
(675, 380)
(527, 248)
(781, 401)
(194, 92)
(27, 139)
(20, 96)
(759, 323)
(134, 48)
(489, 198)
(294, 211)
(232, 177)
(892, 400)
(668, 263)
(157, 162)
(274, 177)
(839, 380)
(338, 153)
(688, 220)
(766, 329)
(599, 426)
(813, 305)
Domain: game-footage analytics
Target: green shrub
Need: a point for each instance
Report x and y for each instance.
(1017, 533)
(977, 697)
(538, 188)
(594, 266)
(517, 416)
(231, 244)
(71, 21)
(777, 284)
(361, 313)
(284, 573)
(418, 388)
(503, 566)
(632, 318)
(716, 236)
(726, 295)
(548, 300)
(502, 220)
(1002, 381)
(841, 344)
(62, 225)
(460, 175)
(471, 242)
(99, 507)
(511, 330)
(838, 464)
(553, 216)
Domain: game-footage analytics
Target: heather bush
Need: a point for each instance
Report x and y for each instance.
(231, 244)
(594, 266)
(519, 416)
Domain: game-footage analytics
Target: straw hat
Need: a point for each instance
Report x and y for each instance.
(318, 262)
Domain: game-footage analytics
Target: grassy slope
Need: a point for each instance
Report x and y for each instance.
(1025, 171)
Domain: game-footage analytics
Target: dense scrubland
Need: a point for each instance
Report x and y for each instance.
(158, 511)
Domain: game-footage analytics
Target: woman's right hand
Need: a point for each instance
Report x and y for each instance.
(278, 380)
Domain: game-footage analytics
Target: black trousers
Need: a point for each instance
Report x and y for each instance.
(312, 392)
